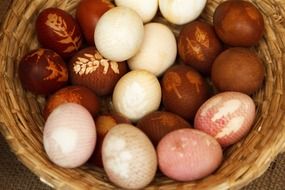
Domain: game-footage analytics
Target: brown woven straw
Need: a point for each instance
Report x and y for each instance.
(22, 122)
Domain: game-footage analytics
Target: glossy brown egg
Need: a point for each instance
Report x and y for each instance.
(88, 13)
(199, 45)
(157, 124)
(43, 71)
(238, 23)
(183, 91)
(73, 94)
(238, 69)
(103, 124)
(57, 30)
(88, 68)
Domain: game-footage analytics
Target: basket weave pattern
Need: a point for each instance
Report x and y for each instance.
(22, 123)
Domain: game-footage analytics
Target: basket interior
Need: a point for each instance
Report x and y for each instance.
(22, 123)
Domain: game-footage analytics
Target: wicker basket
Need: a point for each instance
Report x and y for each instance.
(22, 123)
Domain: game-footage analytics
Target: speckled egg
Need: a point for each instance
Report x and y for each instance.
(43, 71)
(57, 30)
(89, 68)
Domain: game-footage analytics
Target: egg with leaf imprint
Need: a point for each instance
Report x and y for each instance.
(57, 30)
(43, 71)
(89, 68)
(184, 90)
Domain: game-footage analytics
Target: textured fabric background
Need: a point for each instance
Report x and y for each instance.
(14, 175)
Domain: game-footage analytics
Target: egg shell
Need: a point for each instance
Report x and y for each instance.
(89, 68)
(158, 51)
(136, 94)
(129, 157)
(181, 11)
(57, 30)
(146, 9)
(238, 69)
(159, 123)
(238, 23)
(88, 13)
(184, 90)
(119, 34)
(188, 154)
(42, 71)
(227, 116)
(199, 46)
(103, 124)
(73, 94)
(69, 135)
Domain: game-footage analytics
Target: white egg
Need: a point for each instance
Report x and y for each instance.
(158, 51)
(69, 135)
(119, 34)
(136, 94)
(129, 157)
(181, 11)
(146, 8)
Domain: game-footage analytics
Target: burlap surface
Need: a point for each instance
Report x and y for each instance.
(14, 176)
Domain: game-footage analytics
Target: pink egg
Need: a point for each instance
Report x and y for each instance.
(227, 116)
(188, 154)
(69, 135)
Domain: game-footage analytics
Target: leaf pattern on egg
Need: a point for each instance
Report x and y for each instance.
(172, 82)
(193, 78)
(59, 26)
(57, 71)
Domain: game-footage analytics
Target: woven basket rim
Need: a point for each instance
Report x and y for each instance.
(22, 127)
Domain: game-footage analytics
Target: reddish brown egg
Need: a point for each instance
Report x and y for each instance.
(57, 30)
(73, 94)
(88, 13)
(157, 124)
(90, 69)
(199, 45)
(238, 23)
(43, 71)
(238, 69)
(103, 124)
(183, 91)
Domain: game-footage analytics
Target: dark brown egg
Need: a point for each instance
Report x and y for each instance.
(199, 46)
(238, 69)
(238, 23)
(103, 124)
(43, 71)
(57, 30)
(88, 68)
(157, 124)
(73, 94)
(184, 90)
(88, 13)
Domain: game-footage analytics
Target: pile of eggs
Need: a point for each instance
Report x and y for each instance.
(157, 86)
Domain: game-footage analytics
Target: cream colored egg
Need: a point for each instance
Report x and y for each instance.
(181, 11)
(146, 8)
(119, 34)
(136, 94)
(129, 157)
(69, 135)
(158, 51)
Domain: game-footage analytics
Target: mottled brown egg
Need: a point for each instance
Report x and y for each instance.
(88, 13)
(73, 94)
(103, 124)
(157, 124)
(43, 71)
(238, 23)
(90, 69)
(198, 46)
(184, 90)
(238, 69)
(57, 30)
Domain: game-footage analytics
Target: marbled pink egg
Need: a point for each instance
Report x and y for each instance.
(188, 154)
(227, 116)
(69, 135)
